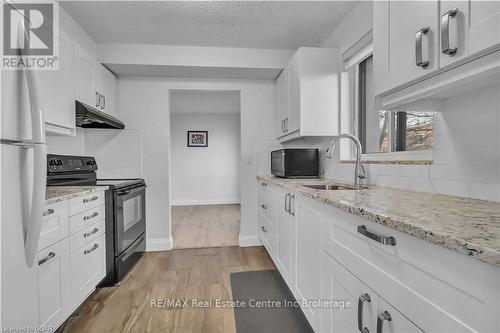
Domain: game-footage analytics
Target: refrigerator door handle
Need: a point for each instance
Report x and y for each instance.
(34, 218)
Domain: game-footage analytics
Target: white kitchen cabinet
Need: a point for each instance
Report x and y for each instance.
(367, 311)
(285, 247)
(105, 87)
(58, 92)
(85, 69)
(88, 268)
(281, 103)
(406, 19)
(484, 29)
(308, 94)
(307, 267)
(338, 284)
(53, 284)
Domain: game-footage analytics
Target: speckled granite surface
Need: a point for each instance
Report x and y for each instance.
(467, 226)
(61, 193)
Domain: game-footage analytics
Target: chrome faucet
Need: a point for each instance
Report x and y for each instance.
(359, 171)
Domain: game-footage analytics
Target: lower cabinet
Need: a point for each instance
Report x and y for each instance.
(307, 267)
(88, 267)
(353, 306)
(53, 284)
(285, 213)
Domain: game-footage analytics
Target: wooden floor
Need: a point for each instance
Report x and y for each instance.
(205, 226)
(177, 274)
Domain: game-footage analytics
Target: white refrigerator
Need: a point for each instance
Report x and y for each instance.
(22, 181)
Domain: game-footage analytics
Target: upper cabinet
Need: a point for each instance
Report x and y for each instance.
(105, 87)
(57, 91)
(307, 94)
(422, 48)
(85, 69)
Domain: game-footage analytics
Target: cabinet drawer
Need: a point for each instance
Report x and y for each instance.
(267, 234)
(86, 235)
(53, 284)
(86, 218)
(80, 204)
(88, 267)
(267, 207)
(428, 284)
(55, 224)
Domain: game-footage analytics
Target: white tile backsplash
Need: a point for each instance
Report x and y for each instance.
(466, 156)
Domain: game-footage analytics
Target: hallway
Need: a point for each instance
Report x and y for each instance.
(205, 226)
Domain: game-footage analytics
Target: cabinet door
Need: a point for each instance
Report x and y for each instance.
(390, 320)
(58, 93)
(85, 77)
(53, 284)
(453, 28)
(281, 102)
(484, 29)
(284, 238)
(307, 272)
(360, 302)
(88, 267)
(106, 88)
(294, 105)
(406, 19)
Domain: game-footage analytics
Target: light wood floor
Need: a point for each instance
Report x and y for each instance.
(177, 274)
(205, 226)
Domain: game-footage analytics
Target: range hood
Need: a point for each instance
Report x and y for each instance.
(89, 117)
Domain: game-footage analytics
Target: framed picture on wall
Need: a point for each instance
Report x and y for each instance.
(197, 138)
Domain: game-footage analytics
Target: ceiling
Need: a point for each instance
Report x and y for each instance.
(204, 102)
(243, 24)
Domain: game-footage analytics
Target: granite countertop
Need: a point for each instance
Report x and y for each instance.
(61, 193)
(467, 226)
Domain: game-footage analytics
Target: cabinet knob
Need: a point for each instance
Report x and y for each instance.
(264, 229)
(263, 206)
(48, 212)
(47, 258)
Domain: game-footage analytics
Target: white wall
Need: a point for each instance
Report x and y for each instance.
(144, 105)
(208, 175)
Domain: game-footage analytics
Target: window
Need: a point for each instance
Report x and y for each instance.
(382, 131)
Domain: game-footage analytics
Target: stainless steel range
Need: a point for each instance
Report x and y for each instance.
(125, 210)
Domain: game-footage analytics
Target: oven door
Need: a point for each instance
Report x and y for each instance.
(130, 223)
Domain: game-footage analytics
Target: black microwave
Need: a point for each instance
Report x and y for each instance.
(295, 163)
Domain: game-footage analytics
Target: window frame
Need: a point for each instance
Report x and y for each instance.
(357, 125)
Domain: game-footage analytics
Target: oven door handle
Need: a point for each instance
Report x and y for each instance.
(133, 190)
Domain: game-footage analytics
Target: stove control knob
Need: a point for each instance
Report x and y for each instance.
(53, 162)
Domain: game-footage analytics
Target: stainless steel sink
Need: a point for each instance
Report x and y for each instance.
(328, 187)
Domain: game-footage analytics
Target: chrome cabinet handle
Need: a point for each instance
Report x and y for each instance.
(286, 124)
(282, 125)
(47, 258)
(97, 99)
(361, 300)
(381, 239)
(286, 200)
(90, 200)
(92, 249)
(263, 184)
(292, 196)
(445, 32)
(103, 102)
(263, 206)
(90, 233)
(91, 216)
(418, 47)
(383, 316)
(263, 228)
(48, 212)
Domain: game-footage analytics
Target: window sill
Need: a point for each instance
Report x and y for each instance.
(422, 157)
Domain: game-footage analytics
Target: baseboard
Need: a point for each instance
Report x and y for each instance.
(204, 202)
(252, 240)
(159, 244)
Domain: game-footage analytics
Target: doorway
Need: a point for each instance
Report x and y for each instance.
(205, 156)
